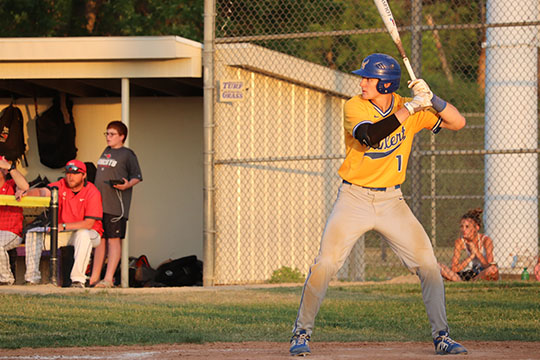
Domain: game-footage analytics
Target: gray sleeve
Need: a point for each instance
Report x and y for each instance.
(134, 170)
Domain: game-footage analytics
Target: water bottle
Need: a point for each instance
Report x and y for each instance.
(525, 274)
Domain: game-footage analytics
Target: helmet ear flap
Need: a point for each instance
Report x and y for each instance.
(386, 87)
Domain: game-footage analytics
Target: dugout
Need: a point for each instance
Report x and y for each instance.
(154, 84)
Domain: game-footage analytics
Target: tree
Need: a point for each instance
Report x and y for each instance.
(47, 18)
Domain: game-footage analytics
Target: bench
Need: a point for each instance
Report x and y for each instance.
(64, 265)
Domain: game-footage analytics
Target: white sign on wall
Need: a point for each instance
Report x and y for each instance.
(231, 90)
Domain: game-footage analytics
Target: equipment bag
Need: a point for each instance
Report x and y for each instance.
(12, 144)
(186, 271)
(55, 130)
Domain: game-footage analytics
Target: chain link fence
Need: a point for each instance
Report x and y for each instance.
(282, 71)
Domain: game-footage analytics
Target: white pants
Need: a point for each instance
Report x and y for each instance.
(82, 240)
(356, 211)
(8, 241)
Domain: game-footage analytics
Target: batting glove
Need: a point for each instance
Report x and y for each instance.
(419, 102)
(419, 86)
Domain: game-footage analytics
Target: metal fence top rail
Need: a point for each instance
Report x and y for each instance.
(478, 152)
(232, 161)
(224, 40)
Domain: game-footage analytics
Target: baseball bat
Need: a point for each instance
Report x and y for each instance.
(390, 24)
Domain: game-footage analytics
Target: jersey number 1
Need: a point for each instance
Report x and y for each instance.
(399, 162)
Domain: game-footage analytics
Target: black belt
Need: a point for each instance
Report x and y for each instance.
(375, 188)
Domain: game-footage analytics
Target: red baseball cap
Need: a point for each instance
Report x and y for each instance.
(75, 166)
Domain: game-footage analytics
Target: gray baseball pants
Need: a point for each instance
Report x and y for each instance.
(356, 211)
(8, 241)
(83, 241)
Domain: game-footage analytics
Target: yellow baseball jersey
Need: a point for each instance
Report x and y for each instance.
(387, 165)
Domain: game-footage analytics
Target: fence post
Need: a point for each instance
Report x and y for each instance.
(416, 63)
(54, 236)
(208, 65)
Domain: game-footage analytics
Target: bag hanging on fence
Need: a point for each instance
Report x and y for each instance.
(186, 271)
(55, 130)
(12, 144)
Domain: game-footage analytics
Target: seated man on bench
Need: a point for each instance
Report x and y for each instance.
(11, 217)
(79, 223)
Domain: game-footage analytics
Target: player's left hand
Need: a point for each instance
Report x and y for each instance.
(420, 86)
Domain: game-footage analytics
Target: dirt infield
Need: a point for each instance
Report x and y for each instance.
(274, 351)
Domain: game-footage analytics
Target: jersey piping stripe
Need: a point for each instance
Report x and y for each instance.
(437, 126)
(378, 155)
(93, 217)
(357, 125)
(380, 111)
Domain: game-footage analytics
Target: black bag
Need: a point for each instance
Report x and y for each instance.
(90, 171)
(39, 182)
(12, 144)
(186, 271)
(43, 220)
(55, 131)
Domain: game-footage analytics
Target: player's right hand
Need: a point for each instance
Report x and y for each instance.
(420, 102)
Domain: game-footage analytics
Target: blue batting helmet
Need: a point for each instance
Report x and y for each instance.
(382, 67)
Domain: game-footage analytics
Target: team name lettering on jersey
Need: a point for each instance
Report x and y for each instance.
(388, 145)
(107, 162)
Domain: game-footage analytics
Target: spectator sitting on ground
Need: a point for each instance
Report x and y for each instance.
(479, 262)
(79, 223)
(11, 217)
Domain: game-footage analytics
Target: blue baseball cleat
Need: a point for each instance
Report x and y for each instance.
(300, 344)
(446, 346)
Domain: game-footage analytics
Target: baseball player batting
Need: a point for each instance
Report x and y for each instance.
(379, 129)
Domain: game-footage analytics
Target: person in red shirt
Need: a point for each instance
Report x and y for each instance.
(11, 217)
(79, 223)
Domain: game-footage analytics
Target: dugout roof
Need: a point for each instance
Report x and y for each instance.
(92, 66)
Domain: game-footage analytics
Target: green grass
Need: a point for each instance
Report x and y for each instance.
(476, 311)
